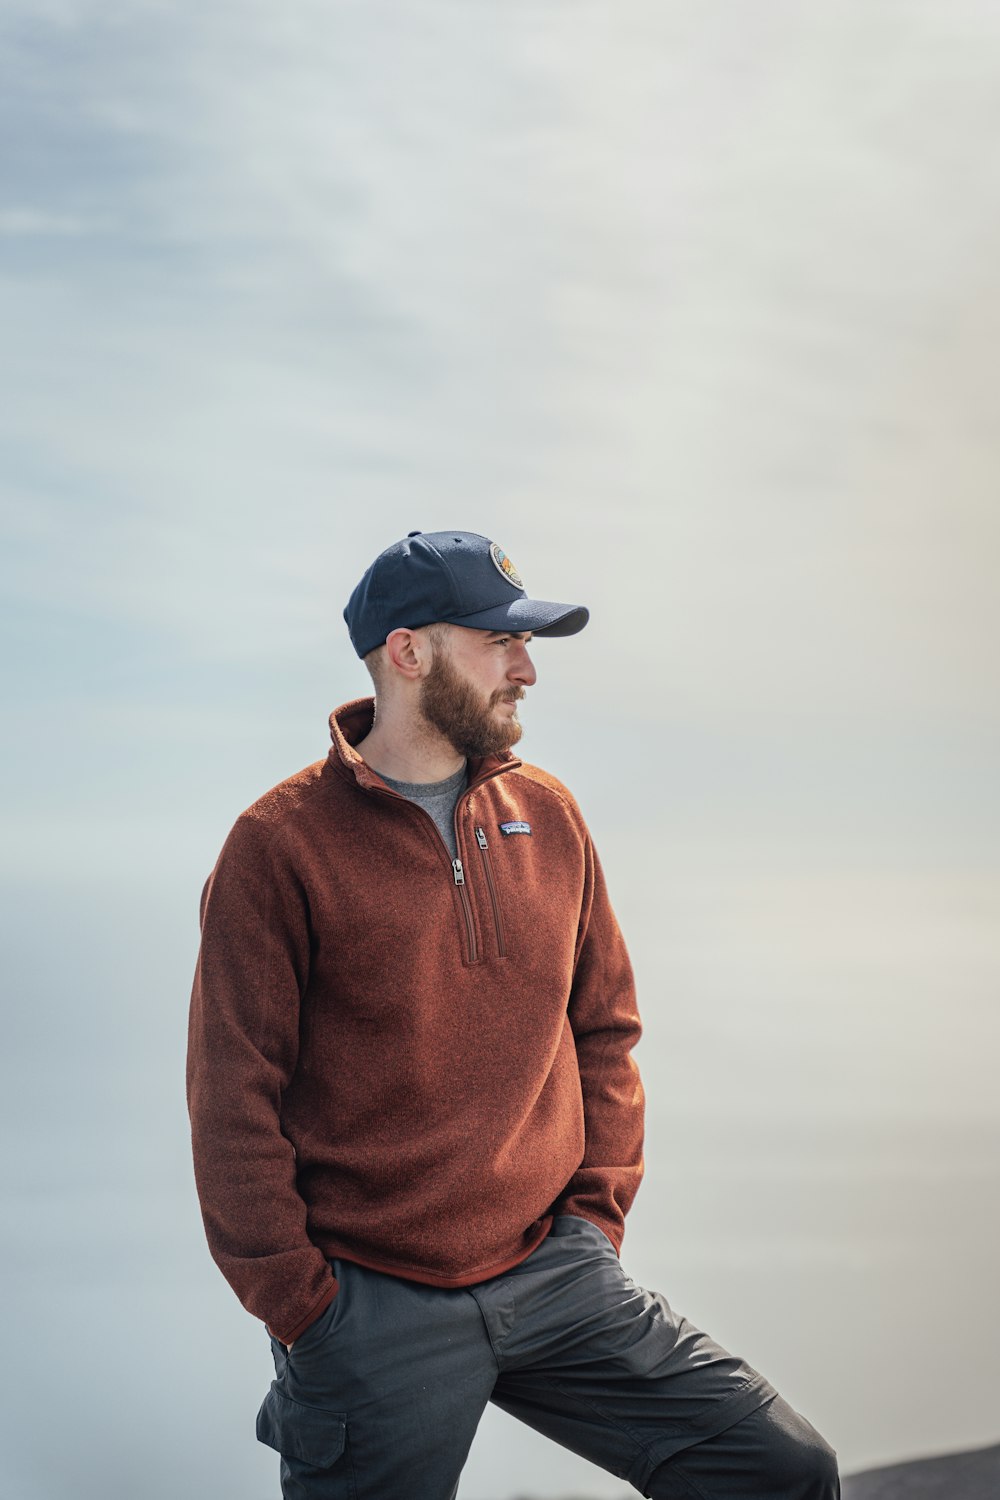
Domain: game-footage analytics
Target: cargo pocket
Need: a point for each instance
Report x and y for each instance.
(308, 1433)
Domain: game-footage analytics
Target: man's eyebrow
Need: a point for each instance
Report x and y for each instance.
(514, 635)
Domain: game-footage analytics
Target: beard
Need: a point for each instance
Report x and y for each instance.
(467, 720)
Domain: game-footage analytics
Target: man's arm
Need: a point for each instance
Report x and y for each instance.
(242, 1050)
(605, 1022)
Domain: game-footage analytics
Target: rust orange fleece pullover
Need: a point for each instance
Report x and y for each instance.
(394, 1068)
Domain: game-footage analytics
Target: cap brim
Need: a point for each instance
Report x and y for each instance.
(540, 616)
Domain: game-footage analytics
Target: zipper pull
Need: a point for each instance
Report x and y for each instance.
(458, 872)
(481, 839)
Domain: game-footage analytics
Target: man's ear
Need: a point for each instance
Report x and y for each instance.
(410, 652)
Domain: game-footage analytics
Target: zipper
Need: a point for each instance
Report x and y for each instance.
(484, 850)
(458, 871)
(459, 876)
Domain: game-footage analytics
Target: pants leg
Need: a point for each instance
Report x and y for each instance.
(609, 1370)
(382, 1395)
(773, 1454)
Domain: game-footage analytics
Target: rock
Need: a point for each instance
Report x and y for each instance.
(955, 1476)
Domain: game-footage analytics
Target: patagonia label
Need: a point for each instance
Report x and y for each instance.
(508, 828)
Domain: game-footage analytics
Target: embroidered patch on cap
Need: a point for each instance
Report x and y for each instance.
(503, 565)
(515, 827)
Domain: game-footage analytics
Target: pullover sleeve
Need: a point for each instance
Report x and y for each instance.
(242, 1051)
(605, 1022)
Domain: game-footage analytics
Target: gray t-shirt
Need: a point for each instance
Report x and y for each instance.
(436, 797)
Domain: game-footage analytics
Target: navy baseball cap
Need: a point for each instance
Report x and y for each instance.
(455, 577)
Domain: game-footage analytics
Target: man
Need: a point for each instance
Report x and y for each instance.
(417, 1122)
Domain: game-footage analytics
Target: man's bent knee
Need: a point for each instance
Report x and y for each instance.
(773, 1454)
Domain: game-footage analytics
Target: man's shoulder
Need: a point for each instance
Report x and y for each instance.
(294, 796)
(543, 782)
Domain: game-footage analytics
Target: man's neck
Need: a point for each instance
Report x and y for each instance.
(408, 751)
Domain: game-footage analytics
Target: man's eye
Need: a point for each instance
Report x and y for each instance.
(504, 642)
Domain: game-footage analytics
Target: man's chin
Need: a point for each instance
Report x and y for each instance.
(514, 732)
(504, 738)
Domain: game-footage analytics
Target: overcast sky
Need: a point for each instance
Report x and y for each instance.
(693, 307)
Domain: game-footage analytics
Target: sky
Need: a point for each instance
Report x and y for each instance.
(694, 309)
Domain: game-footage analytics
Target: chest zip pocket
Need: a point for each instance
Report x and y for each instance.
(484, 850)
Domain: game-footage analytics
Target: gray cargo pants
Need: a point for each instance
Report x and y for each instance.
(381, 1396)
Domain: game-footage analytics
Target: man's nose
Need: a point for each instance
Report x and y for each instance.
(522, 668)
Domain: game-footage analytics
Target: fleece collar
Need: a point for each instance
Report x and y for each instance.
(352, 721)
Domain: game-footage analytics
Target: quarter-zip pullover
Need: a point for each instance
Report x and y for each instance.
(402, 1059)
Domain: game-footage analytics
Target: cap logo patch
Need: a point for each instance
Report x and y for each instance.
(503, 565)
(508, 828)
